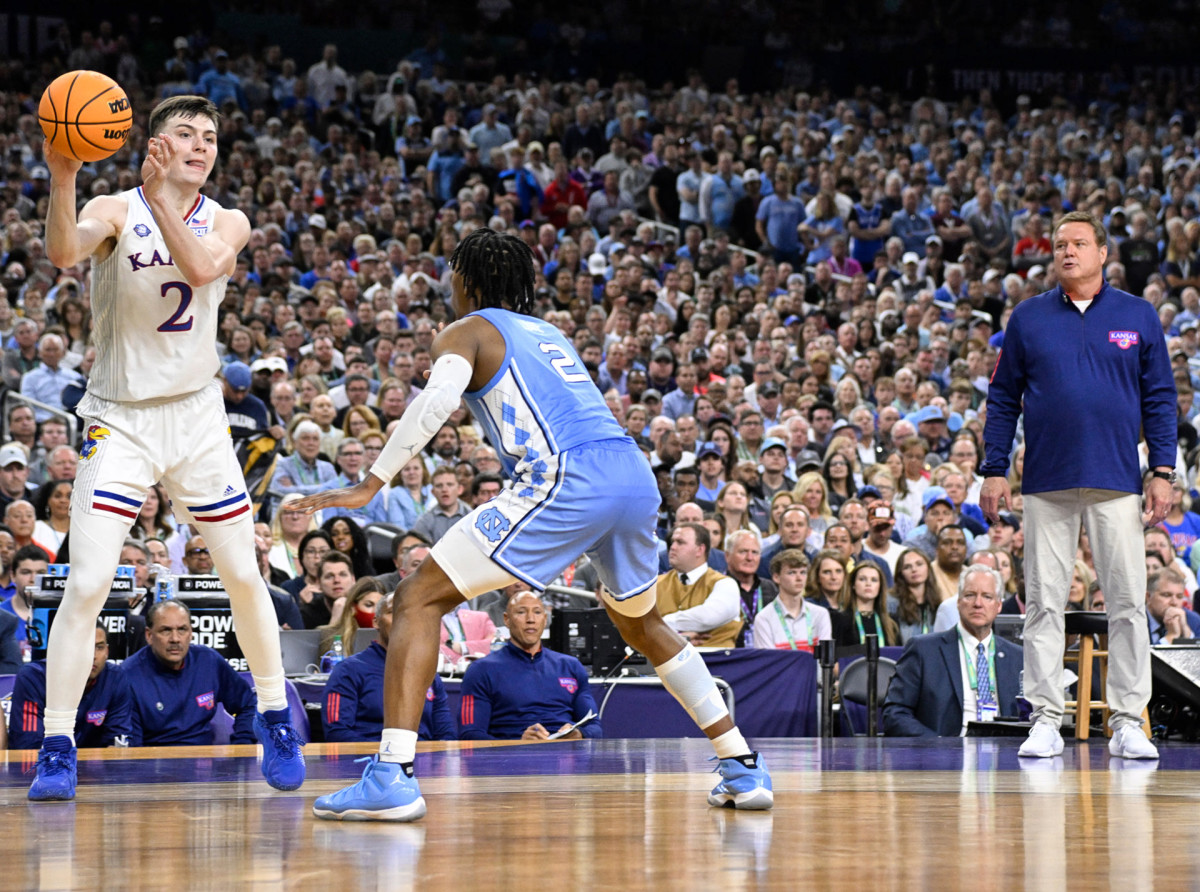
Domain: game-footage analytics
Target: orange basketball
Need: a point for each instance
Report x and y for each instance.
(85, 115)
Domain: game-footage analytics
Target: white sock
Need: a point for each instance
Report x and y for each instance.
(60, 722)
(271, 692)
(398, 745)
(731, 744)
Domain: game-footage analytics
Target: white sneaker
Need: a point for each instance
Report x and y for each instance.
(1043, 742)
(1129, 742)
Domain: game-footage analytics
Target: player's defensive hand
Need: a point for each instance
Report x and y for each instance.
(60, 166)
(347, 497)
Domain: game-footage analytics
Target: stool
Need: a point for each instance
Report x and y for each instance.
(1091, 627)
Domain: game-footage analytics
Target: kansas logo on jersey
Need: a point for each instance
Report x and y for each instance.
(141, 230)
(1123, 339)
(91, 440)
(570, 684)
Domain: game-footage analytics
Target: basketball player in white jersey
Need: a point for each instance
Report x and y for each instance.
(161, 254)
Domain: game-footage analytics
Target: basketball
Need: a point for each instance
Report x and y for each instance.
(85, 115)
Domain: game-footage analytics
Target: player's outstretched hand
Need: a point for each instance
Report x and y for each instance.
(347, 497)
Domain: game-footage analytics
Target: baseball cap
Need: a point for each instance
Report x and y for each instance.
(769, 388)
(269, 364)
(708, 447)
(13, 453)
(910, 257)
(237, 374)
(534, 146)
(751, 176)
(700, 354)
(881, 512)
(869, 491)
(317, 220)
(1036, 270)
(990, 275)
(651, 394)
(771, 443)
(1190, 325)
(933, 239)
(597, 264)
(807, 458)
(933, 495)
(929, 413)
(1005, 517)
(662, 355)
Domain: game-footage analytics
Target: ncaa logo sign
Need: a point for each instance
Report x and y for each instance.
(1123, 339)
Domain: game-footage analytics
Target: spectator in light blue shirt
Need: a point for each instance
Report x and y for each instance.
(909, 225)
(220, 84)
(46, 382)
(779, 216)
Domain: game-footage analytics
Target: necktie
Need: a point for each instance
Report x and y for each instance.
(983, 681)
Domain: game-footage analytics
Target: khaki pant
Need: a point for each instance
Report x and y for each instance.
(1114, 525)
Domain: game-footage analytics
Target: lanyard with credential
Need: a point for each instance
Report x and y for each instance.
(757, 606)
(862, 636)
(783, 622)
(971, 674)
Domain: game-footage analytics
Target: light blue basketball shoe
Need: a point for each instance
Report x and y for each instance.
(385, 793)
(744, 784)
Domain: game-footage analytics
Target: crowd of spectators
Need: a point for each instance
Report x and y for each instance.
(791, 300)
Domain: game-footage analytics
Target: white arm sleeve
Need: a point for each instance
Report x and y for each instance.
(424, 417)
(718, 608)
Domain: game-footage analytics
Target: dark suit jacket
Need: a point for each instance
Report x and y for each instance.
(925, 698)
(11, 660)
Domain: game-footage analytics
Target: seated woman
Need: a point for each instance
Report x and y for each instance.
(307, 585)
(52, 504)
(864, 608)
(349, 539)
(358, 612)
(915, 594)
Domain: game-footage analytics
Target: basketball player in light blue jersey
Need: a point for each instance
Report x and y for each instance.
(576, 485)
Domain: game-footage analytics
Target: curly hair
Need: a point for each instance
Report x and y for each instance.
(496, 267)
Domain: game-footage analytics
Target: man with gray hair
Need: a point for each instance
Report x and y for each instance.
(46, 382)
(946, 679)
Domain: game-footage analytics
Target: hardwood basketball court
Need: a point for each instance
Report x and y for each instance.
(620, 814)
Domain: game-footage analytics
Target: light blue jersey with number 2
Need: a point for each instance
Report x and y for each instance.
(541, 401)
(577, 484)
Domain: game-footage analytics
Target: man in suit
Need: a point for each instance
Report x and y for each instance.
(946, 679)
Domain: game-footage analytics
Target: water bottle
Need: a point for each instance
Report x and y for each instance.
(164, 583)
(333, 656)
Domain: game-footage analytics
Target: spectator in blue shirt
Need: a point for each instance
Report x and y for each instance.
(444, 164)
(220, 84)
(525, 691)
(779, 217)
(909, 225)
(353, 709)
(176, 685)
(46, 382)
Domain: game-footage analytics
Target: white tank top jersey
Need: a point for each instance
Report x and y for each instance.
(155, 334)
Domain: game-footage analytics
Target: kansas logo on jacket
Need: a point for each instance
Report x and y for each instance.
(91, 440)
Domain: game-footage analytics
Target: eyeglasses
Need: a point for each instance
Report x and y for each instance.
(344, 454)
(194, 551)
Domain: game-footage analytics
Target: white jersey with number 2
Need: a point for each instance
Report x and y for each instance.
(155, 334)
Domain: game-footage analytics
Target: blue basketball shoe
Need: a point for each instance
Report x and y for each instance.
(385, 793)
(283, 750)
(55, 770)
(744, 784)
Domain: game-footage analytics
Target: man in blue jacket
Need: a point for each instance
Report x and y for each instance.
(1088, 365)
(353, 709)
(104, 712)
(946, 679)
(177, 685)
(525, 691)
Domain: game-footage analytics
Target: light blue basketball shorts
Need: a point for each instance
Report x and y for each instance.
(598, 499)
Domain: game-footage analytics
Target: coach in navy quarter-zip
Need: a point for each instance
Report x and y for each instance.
(1088, 365)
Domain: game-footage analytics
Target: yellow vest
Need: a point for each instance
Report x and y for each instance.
(673, 596)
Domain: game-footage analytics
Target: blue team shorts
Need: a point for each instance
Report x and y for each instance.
(599, 499)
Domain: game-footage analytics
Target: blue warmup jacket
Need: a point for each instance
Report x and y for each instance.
(176, 708)
(1091, 383)
(509, 690)
(353, 708)
(104, 712)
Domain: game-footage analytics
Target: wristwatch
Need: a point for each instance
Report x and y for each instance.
(1168, 476)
